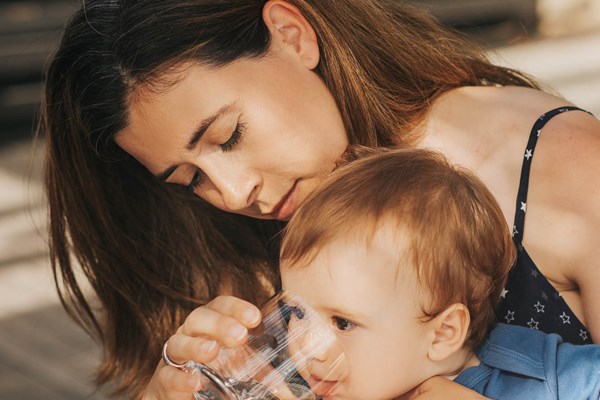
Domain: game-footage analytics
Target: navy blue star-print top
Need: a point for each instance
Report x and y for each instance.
(528, 299)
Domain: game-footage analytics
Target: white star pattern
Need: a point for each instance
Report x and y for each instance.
(533, 324)
(503, 294)
(510, 316)
(538, 132)
(566, 319)
(515, 231)
(528, 154)
(523, 207)
(583, 334)
(539, 307)
(534, 273)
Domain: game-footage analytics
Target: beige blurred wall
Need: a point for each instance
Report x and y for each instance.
(565, 17)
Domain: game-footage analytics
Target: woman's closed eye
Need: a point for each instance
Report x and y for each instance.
(196, 180)
(228, 145)
(343, 324)
(234, 138)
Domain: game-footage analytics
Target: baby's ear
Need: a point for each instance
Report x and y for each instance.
(450, 330)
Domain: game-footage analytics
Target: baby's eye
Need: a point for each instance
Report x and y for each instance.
(343, 324)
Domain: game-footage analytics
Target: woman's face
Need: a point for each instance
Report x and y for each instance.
(253, 137)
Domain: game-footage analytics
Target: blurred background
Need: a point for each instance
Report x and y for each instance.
(43, 355)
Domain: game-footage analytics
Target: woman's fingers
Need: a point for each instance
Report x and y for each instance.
(181, 348)
(224, 322)
(178, 384)
(237, 308)
(169, 383)
(226, 319)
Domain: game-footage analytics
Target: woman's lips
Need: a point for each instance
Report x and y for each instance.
(284, 209)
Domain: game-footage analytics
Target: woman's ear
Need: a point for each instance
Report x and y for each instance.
(291, 31)
(450, 330)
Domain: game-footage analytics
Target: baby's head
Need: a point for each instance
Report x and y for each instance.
(406, 255)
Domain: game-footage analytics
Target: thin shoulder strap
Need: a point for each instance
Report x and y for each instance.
(521, 209)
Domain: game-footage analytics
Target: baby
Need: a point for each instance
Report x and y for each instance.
(406, 256)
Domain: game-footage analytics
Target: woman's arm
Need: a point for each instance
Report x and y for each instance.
(582, 194)
(563, 215)
(439, 388)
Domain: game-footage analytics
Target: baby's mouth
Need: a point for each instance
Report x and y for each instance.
(321, 387)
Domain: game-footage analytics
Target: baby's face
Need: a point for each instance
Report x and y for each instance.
(371, 304)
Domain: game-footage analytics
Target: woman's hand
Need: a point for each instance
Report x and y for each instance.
(440, 388)
(222, 322)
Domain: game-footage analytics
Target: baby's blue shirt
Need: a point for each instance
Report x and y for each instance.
(523, 363)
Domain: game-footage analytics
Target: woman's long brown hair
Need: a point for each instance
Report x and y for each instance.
(153, 253)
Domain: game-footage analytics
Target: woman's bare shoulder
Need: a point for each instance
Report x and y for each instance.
(495, 119)
(496, 106)
(563, 205)
(523, 102)
(566, 171)
(568, 151)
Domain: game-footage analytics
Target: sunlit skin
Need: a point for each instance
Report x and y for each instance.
(374, 310)
(277, 135)
(292, 134)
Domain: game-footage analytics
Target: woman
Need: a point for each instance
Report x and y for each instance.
(247, 105)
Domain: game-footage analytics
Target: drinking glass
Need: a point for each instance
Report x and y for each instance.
(275, 363)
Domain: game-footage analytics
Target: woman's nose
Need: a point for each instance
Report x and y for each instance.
(237, 187)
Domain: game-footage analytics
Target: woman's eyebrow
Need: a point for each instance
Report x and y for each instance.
(195, 138)
(204, 125)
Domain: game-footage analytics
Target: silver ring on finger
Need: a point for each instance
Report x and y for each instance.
(192, 367)
(187, 366)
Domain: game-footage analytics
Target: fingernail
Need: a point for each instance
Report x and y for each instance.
(238, 332)
(251, 315)
(208, 346)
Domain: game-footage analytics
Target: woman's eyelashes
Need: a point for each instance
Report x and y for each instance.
(343, 324)
(196, 180)
(233, 140)
(235, 137)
